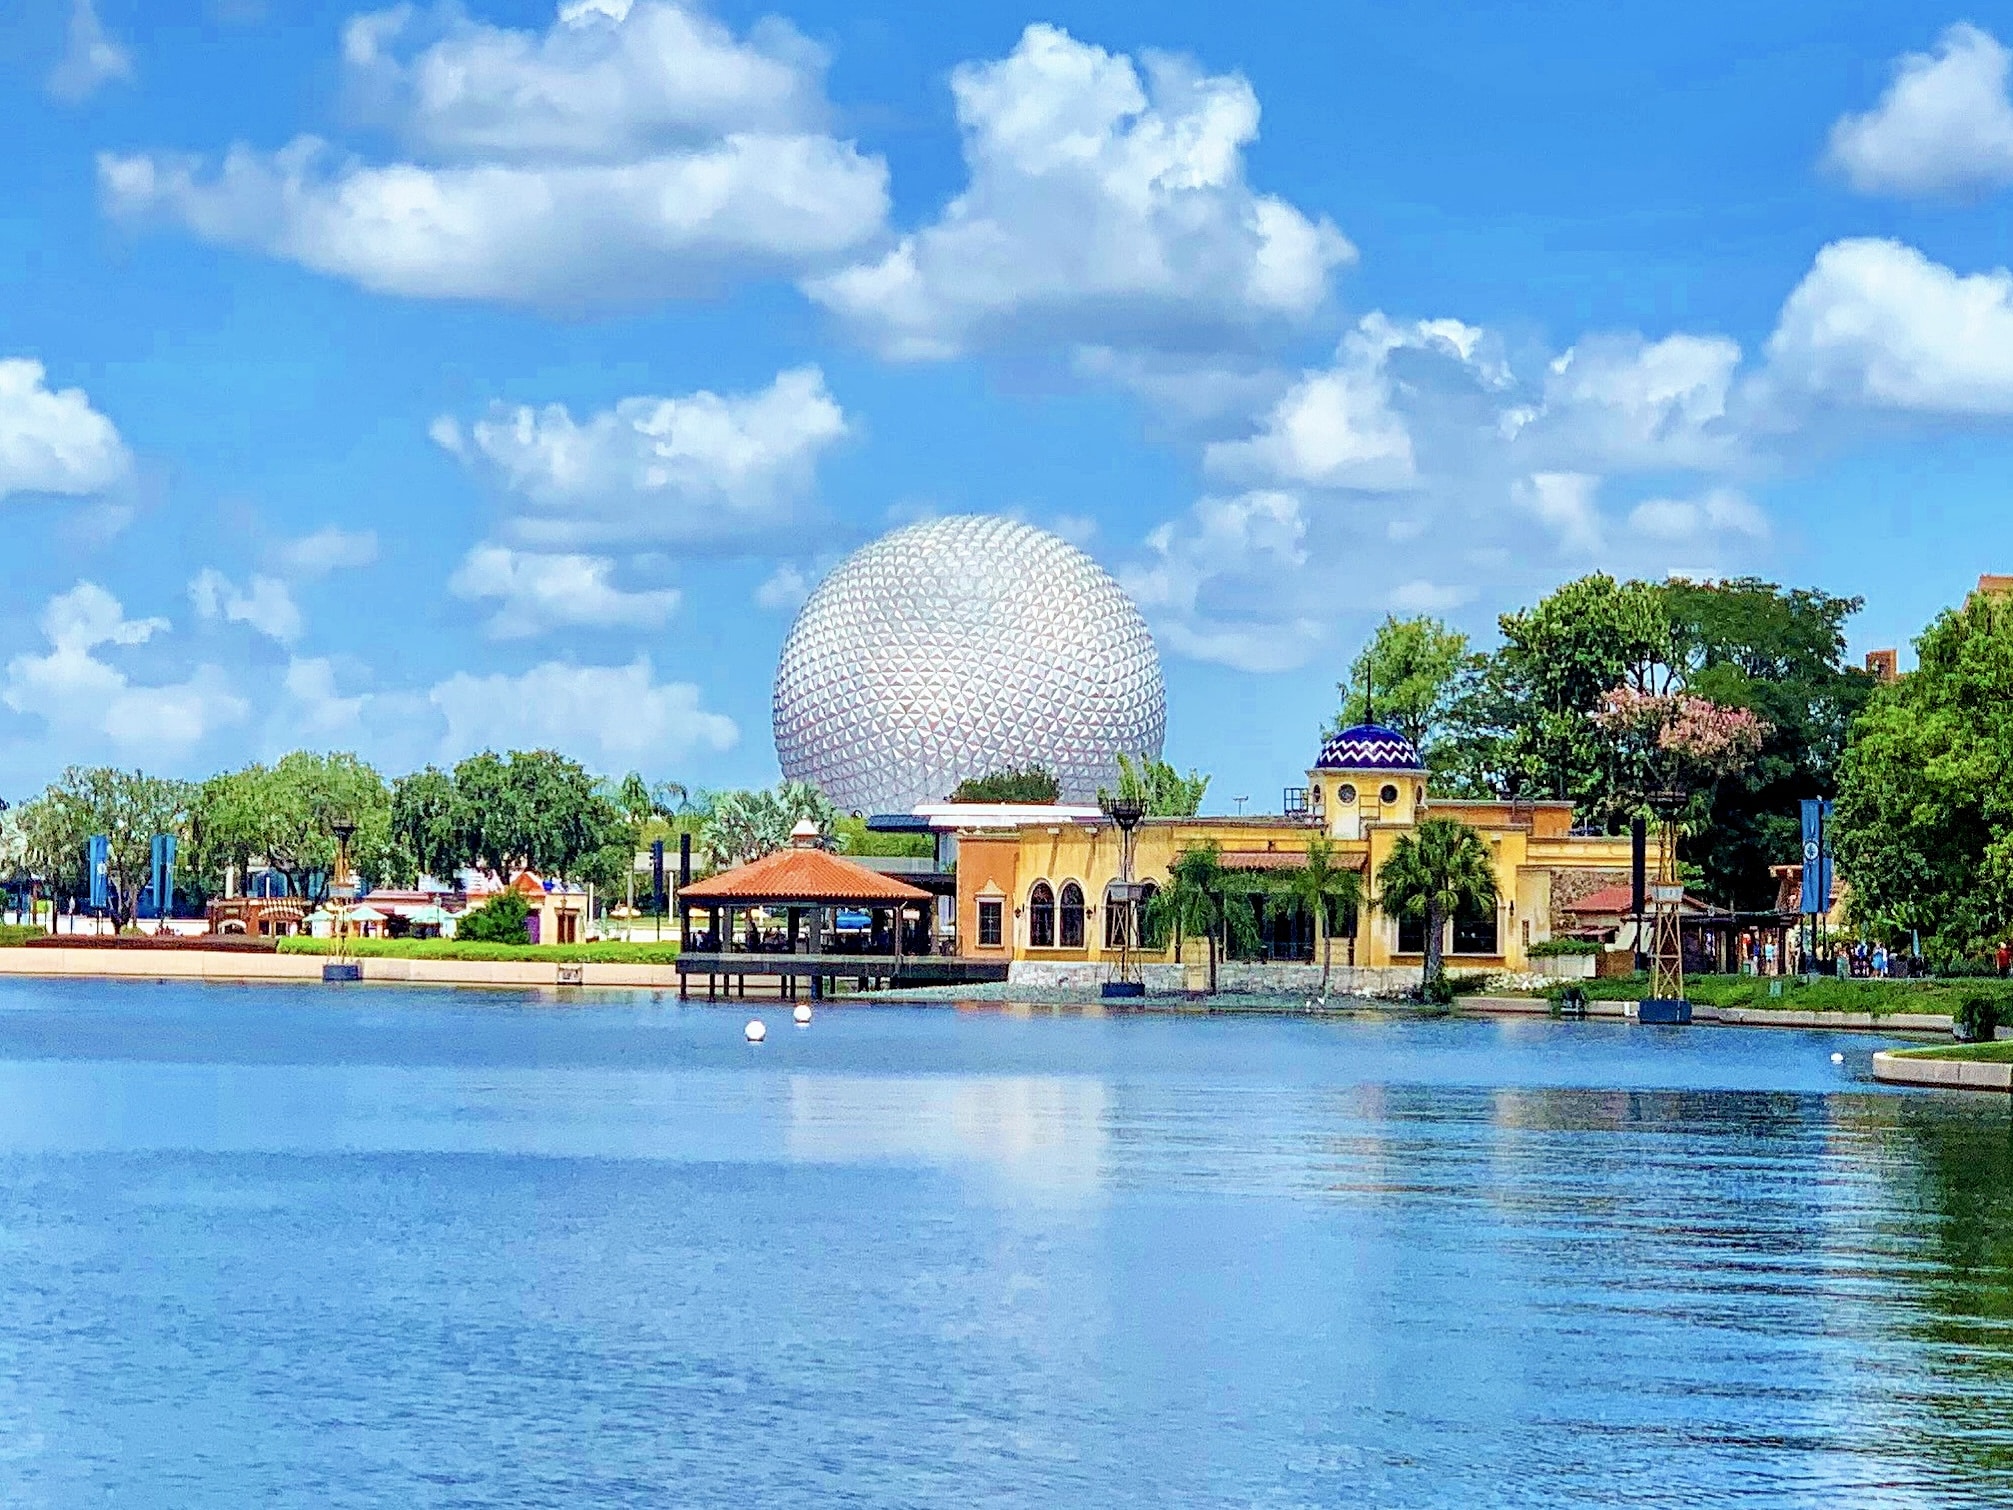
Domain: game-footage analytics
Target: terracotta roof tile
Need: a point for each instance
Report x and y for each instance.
(803, 875)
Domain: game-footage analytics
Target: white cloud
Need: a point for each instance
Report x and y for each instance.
(80, 695)
(1877, 324)
(1101, 207)
(1335, 428)
(1944, 126)
(1618, 400)
(603, 81)
(610, 715)
(327, 550)
(1719, 511)
(264, 603)
(785, 588)
(623, 155)
(1564, 502)
(1422, 596)
(1210, 582)
(539, 593)
(53, 441)
(91, 57)
(705, 470)
(314, 710)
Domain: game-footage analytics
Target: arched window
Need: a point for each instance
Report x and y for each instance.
(1072, 915)
(1041, 917)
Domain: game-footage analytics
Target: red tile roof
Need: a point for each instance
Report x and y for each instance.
(803, 875)
(1618, 901)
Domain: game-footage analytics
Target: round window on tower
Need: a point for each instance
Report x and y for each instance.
(1345, 793)
(1389, 796)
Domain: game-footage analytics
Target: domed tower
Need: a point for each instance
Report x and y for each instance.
(1368, 774)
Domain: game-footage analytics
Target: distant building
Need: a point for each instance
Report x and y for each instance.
(1883, 665)
(1995, 587)
(1035, 884)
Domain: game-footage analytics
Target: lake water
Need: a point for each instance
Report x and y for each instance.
(375, 1246)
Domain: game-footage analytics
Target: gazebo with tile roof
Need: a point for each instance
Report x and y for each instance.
(808, 884)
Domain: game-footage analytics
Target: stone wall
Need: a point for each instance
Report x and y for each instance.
(1232, 977)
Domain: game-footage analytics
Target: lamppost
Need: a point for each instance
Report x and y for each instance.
(1126, 813)
(341, 889)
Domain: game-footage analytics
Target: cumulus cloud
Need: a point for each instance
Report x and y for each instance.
(264, 603)
(1878, 325)
(1944, 126)
(536, 593)
(604, 80)
(627, 153)
(327, 550)
(1565, 503)
(91, 57)
(1619, 400)
(783, 589)
(1106, 203)
(314, 710)
(82, 696)
(1684, 520)
(1210, 582)
(703, 471)
(612, 715)
(52, 440)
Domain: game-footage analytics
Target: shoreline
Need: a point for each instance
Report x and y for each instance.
(225, 967)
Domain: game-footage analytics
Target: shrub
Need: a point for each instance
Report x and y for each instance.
(1976, 1019)
(1034, 784)
(1469, 983)
(1438, 991)
(12, 935)
(1559, 948)
(500, 920)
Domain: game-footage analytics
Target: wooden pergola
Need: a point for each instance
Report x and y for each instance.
(809, 886)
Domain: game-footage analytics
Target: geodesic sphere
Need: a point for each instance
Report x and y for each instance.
(960, 647)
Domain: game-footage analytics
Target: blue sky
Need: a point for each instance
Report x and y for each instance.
(414, 380)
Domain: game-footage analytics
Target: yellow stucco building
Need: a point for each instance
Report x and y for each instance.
(1039, 888)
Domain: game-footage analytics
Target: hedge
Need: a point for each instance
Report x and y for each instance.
(606, 952)
(1825, 994)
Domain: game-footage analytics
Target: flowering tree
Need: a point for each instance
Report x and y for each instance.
(1668, 747)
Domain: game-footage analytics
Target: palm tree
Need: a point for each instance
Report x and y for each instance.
(1319, 885)
(1194, 903)
(1440, 868)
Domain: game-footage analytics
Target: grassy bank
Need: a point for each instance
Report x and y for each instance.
(1983, 1053)
(14, 935)
(605, 953)
(1825, 994)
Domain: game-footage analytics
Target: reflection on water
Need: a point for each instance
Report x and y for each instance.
(1044, 1131)
(412, 1248)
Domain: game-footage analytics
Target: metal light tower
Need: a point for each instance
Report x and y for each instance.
(1126, 813)
(340, 888)
(1666, 911)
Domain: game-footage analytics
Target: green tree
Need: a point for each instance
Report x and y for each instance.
(1195, 903)
(1326, 890)
(424, 825)
(1030, 784)
(284, 816)
(1924, 825)
(128, 807)
(500, 920)
(1439, 869)
(1523, 726)
(1780, 653)
(534, 810)
(1165, 792)
(1409, 677)
(745, 826)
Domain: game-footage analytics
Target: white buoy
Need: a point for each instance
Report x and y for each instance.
(755, 1032)
(803, 1014)
(1838, 1059)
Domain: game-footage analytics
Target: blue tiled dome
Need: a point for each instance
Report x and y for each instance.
(1368, 747)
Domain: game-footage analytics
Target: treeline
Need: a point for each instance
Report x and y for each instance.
(527, 809)
(1921, 768)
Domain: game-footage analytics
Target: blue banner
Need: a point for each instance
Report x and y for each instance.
(100, 863)
(164, 875)
(1816, 855)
